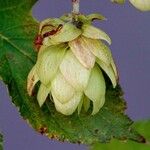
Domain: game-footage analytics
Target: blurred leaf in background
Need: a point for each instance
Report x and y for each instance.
(1, 142)
(118, 1)
(142, 126)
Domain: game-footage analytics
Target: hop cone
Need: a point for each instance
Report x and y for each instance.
(70, 61)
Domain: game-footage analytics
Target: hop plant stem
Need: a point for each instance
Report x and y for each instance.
(76, 6)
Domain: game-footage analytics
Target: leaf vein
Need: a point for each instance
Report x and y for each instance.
(16, 47)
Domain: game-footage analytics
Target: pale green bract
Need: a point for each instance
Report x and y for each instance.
(70, 63)
(143, 5)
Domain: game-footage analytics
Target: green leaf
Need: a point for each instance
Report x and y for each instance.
(17, 57)
(1, 141)
(143, 128)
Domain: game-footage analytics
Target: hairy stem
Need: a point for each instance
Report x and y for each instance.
(76, 6)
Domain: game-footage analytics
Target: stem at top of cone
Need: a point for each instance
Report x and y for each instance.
(76, 6)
